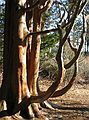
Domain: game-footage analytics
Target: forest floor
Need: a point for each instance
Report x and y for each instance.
(74, 105)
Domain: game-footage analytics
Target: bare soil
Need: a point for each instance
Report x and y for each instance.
(74, 105)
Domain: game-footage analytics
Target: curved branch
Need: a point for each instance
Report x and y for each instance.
(63, 15)
(45, 7)
(72, 47)
(66, 88)
(54, 86)
(29, 8)
(27, 101)
(76, 55)
(40, 98)
(72, 22)
(82, 6)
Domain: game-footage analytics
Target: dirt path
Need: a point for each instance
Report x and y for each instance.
(74, 105)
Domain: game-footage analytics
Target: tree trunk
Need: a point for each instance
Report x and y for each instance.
(15, 76)
(10, 82)
(33, 69)
(21, 57)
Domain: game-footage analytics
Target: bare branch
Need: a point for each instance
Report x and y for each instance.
(41, 32)
(82, 6)
(72, 22)
(77, 52)
(63, 15)
(71, 46)
(76, 55)
(29, 8)
(40, 98)
(66, 88)
(45, 7)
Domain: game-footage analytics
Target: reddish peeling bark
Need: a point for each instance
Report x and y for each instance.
(23, 59)
(35, 50)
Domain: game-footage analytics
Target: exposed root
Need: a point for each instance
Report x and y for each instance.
(47, 105)
(37, 112)
(55, 106)
(32, 111)
(27, 113)
(16, 117)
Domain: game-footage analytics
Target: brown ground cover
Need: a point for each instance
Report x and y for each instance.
(74, 105)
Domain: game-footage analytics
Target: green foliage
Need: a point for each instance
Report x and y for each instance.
(49, 45)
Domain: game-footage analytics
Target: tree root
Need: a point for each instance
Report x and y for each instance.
(32, 111)
(37, 112)
(27, 113)
(49, 105)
